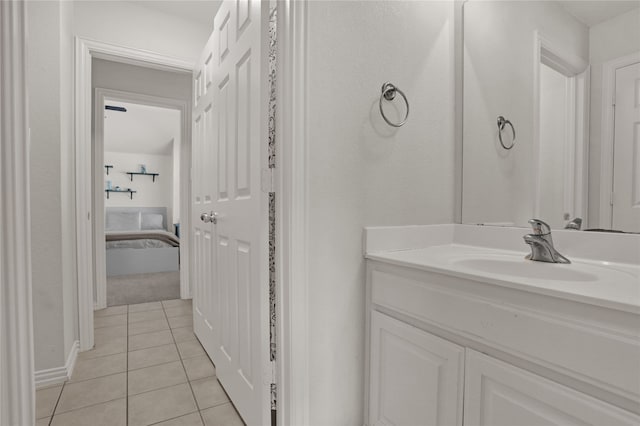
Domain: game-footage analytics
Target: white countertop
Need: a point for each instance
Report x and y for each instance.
(441, 249)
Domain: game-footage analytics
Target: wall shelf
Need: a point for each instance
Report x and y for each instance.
(153, 175)
(107, 167)
(127, 191)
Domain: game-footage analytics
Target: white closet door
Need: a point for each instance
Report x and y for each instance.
(231, 306)
(626, 162)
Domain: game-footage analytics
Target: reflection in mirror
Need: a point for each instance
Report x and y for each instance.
(550, 67)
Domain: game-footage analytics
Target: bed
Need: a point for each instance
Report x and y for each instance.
(137, 241)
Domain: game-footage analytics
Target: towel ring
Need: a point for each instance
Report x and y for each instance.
(502, 122)
(389, 93)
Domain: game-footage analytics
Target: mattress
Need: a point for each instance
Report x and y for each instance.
(141, 239)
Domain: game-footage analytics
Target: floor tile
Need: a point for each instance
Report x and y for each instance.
(98, 367)
(45, 421)
(149, 306)
(149, 340)
(104, 347)
(190, 349)
(146, 316)
(183, 321)
(110, 321)
(192, 419)
(46, 400)
(199, 367)
(112, 310)
(179, 311)
(208, 392)
(153, 356)
(104, 334)
(222, 415)
(162, 404)
(183, 334)
(148, 326)
(156, 377)
(90, 392)
(112, 413)
(176, 302)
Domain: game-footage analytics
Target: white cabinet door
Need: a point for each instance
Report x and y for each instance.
(416, 378)
(499, 394)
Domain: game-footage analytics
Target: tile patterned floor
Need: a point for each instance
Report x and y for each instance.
(147, 368)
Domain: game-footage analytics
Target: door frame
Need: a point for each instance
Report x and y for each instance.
(17, 387)
(98, 162)
(607, 134)
(85, 51)
(292, 215)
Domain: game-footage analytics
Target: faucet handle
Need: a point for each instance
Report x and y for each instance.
(539, 227)
(574, 224)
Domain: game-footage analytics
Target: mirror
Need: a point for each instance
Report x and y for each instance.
(550, 69)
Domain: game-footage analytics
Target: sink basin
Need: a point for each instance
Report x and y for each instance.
(529, 269)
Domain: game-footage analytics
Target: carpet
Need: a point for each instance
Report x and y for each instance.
(140, 288)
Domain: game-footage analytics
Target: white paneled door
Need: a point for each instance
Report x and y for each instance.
(230, 231)
(626, 161)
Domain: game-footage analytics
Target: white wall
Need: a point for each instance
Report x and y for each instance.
(498, 185)
(363, 172)
(131, 78)
(617, 37)
(149, 193)
(52, 203)
(129, 24)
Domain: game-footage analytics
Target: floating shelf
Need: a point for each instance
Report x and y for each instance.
(127, 191)
(108, 167)
(153, 175)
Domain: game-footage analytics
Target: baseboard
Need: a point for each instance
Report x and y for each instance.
(53, 376)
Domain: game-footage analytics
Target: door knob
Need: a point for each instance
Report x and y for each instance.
(209, 217)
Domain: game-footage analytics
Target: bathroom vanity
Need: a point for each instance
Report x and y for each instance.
(461, 329)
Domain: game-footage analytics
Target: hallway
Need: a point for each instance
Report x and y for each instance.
(147, 368)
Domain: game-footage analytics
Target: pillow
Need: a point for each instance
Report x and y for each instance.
(152, 221)
(122, 221)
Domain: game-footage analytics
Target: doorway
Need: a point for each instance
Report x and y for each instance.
(140, 145)
(92, 291)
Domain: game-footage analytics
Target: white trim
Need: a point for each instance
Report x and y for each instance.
(54, 376)
(607, 134)
(85, 51)
(292, 215)
(98, 162)
(17, 397)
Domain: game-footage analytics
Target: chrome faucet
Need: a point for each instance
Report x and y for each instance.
(542, 249)
(574, 224)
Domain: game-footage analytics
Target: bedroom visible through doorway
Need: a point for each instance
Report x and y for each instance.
(141, 155)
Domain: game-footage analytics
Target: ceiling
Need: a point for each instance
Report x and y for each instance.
(201, 11)
(594, 12)
(142, 129)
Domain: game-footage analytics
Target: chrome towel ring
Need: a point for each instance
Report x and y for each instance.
(389, 93)
(502, 122)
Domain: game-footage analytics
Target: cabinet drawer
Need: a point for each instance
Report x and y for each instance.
(535, 328)
(416, 378)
